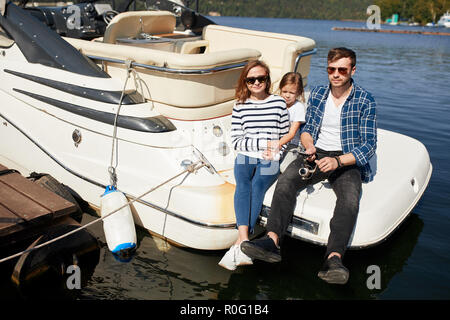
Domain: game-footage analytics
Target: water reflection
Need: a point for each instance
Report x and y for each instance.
(295, 277)
(160, 271)
(56, 282)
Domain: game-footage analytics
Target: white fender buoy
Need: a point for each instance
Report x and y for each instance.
(119, 228)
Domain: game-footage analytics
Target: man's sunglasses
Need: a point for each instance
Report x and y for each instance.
(341, 70)
(252, 80)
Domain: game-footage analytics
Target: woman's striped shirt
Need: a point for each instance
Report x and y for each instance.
(254, 122)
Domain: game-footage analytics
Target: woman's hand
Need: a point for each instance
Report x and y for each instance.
(273, 144)
(272, 151)
(269, 154)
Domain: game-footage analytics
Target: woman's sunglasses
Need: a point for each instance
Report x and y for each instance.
(252, 80)
(341, 70)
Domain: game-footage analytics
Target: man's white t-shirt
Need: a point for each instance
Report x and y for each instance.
(297, 113)
(330, 132)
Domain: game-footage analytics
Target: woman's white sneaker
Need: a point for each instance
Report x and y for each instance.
(241, 258)
(229, 259)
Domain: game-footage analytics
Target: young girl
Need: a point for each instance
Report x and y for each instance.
(291, 89)
(257, 118)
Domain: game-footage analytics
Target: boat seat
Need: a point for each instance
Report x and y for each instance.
(198, 95)
(279, 51)
(131, 24)
(194, 47)
(162, 58)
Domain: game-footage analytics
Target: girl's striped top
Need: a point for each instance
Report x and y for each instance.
(254, 122)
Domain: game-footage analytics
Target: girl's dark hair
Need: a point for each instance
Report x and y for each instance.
(293, 78)
(242, 92)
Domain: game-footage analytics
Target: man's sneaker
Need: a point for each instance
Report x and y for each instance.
(241, 258)
(262, 249)
(229, 259)
(333, 271)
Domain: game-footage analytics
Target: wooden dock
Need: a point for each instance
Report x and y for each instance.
(25, 205)
(391, 31)
(31, 214)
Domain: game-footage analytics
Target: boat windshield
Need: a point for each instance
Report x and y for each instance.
(186, 17)
(175, 7)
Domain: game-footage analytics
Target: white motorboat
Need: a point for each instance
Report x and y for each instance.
(160, 85)
(444, 21)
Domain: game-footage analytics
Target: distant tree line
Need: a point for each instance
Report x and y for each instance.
(421, 11)
(306, 9)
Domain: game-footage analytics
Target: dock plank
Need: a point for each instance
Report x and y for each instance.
(24, 204)
(9, 222)
(19, 204)
(40, 195)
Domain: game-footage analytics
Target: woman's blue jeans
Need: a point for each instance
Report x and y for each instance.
(253, 177)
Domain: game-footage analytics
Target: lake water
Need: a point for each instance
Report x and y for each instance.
(409, 75)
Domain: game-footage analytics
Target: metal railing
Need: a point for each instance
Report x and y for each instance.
(301, 55)
(193, 71)
(172, 70)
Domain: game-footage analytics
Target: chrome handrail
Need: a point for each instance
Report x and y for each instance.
(194, 71)
(171, 70)
(301, 55)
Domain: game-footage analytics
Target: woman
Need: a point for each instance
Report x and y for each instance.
(258, 117)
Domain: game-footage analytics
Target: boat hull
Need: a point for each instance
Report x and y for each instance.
(385, 202)
(58, 116)
(194, 210)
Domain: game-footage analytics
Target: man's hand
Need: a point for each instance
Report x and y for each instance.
(308, 143)
(311, 150)
(327, 164)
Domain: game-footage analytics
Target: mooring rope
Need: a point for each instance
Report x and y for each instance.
(112, 167)
(191, 168)
(138, 82)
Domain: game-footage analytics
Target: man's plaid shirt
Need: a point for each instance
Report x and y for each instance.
(358, 124)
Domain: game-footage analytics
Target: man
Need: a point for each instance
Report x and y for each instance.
(340, 136)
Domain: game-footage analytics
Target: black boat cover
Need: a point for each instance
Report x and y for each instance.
(40, 44)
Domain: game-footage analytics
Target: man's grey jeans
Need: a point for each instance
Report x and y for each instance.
(346, 184)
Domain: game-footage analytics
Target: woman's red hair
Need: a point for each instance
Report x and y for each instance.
(242, 92)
